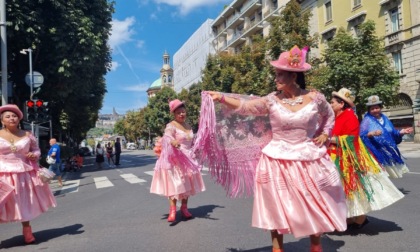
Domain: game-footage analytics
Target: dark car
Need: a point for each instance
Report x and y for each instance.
(85, 151)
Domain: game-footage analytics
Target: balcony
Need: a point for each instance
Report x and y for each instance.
(250, 7)
(393, 38)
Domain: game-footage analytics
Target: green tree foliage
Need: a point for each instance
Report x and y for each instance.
(157, 115)
(359, 64)
(69, 42)
(290, 28)
(119, 128)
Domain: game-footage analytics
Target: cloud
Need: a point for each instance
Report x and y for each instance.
(140, 44)
(142, 87)
(114, 65)
(121, 32)
(186, 6)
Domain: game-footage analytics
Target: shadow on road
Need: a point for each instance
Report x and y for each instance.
(375, 227)
(328, 245)
(198, 212)
(43, 236)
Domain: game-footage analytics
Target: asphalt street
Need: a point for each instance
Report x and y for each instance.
(112, 210)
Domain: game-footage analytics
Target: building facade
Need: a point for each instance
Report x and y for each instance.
(166, 78)
(397, 21)
(190, 60)
(107, 121)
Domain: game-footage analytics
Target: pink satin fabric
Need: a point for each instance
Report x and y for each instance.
(177, 175)
(31, 196)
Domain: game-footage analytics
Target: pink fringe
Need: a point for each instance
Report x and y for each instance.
(232, 167)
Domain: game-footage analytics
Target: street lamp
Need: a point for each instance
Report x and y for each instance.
(31, 73)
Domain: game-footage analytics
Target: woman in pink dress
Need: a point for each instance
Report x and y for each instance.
(177, 174)
(297, 188)
(19, 153)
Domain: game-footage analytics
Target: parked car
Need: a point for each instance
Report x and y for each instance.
(85, 151)
(131, 146)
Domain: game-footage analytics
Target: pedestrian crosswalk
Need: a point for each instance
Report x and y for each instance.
(100, 182)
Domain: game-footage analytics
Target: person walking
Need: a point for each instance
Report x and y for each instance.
(117, 147)
(296, 187)
(381, 137)
(366, 186)
(177, 174)
(27, 195)
(54, 152)
(99, 156)
(110, 155)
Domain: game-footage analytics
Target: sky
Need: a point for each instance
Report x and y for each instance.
(142, 30)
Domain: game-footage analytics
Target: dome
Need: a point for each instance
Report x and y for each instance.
(156, 84)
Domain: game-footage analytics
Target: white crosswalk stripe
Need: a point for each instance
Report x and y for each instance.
(102, 182)
(132, 179)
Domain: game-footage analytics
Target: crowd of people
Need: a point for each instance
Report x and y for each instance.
(309, 164)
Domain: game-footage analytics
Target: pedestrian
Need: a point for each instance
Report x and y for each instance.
(117, 147)
(296, 187)
(381, 137)
(54, 152)
(366, 186)
(177, 174)
(110, 155)
(99, 156)
(19, 153)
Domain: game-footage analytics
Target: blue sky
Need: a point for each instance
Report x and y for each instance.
(142, 30)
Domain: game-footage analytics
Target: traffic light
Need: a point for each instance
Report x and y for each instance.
(30, 112)
(42, 110)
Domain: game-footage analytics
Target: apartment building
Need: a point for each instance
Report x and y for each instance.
(397, 22)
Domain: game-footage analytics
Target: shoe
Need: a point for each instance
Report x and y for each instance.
(185, 213)
(27, 234)
(316, 248)
(360, 226)
(277, 250)
(172, 214)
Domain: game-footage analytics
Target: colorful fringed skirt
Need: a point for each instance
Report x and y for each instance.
(366, 185)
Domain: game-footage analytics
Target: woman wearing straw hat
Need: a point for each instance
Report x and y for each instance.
(19, 153)
(366, 186)
(381, 137)
(177, 174)
(296, 187)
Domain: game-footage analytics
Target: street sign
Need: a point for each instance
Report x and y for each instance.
(38, 79)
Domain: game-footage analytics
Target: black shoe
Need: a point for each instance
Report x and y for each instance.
(360, 226)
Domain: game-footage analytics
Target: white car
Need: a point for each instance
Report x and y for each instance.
(131, 146)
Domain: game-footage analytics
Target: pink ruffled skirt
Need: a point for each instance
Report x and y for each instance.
(30, 198)
(298, 197)
(176, 183)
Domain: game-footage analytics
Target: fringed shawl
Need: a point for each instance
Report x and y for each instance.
(230, 144)
(354, 162)
(384, 146)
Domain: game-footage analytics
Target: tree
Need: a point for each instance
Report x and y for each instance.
(157, 115)
(359, 64)
(290, 28)
(69, 42)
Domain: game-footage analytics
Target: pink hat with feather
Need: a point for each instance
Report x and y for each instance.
(293, 60)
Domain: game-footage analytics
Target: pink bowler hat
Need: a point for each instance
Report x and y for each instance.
(13, 108)
(174, 104)
(293, 60)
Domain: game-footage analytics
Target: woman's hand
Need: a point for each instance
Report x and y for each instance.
(406, 131)
(374, 133)
(31, 156)
(321, 139)
(216, 96)
(175, 144)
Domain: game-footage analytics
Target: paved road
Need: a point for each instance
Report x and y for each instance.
(112, 210)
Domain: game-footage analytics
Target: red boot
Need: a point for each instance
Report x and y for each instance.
(27, 233)
(278, 250)
(172, 214)
(316, 248)
(184, 211)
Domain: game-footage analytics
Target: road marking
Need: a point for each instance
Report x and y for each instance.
(132, 179)
(150, 173)
(418, 173)
(102, 182)
(70, 186)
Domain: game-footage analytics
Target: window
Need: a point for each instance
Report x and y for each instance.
(357, 3)
(395, 22)
(328, 12)
(396, 56)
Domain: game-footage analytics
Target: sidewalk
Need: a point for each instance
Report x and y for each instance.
(409, 146)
